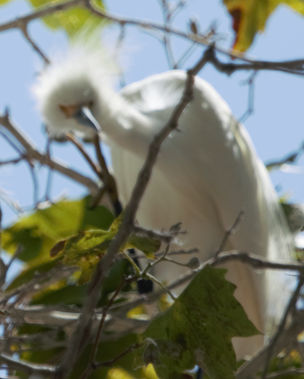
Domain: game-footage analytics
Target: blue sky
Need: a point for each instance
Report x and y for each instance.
(276, 127)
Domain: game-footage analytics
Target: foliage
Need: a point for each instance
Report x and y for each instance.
(40, 231)
(251, 16)
(197, 329)
(207, 305)
(84, 250)
(72, 20)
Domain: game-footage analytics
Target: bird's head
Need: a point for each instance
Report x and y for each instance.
(73, 92)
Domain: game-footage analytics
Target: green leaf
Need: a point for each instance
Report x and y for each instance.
(72, 20)
(87, 248)
(148, 246)
(29, 273)
(105, 352)
(75, 294)
(41, 230)
(197, 329)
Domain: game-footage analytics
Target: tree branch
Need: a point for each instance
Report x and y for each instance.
(84, 324)
(33, 153)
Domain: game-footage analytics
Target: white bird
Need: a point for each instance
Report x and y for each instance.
(206, 173)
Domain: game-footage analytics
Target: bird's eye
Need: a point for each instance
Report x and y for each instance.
(91, 103)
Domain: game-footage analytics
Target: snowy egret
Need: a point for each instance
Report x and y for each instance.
(207, 172)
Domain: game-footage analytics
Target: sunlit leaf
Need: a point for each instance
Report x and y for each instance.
(250, 17)
(40, 231)
(197, 329)
(72, 20)
(86, 249)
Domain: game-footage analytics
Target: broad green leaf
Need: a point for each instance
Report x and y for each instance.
(107, 351)
(87, 248)
(250, 17)
(28, 274)
(72, 20)
(41, 230)
(75, 294)
(197, 329)
(148, 246)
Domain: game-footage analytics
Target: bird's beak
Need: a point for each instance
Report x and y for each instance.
(84, 117)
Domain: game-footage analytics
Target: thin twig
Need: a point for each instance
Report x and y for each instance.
(45, 11)
(290, 158)
(104, 313)
(95, 366)
(86, 156)
(289, 309)
(107, 178)
(292, 67)
(35, 183)
(252, 260)
(126, 227)
(29, 368)
(256, 363)
(179, 252)
(23, 28)
(285, 373)
(166, 238)
(88, 370)
(11, 161)
(230, 231)
(16, 254)
(249, 109)
(33, 154)
(47, 195)
(114, 360)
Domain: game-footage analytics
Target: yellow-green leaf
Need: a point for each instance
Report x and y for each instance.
(250, 17)
(87, 248)
(72, 20)
(41, 230)
(197, 329)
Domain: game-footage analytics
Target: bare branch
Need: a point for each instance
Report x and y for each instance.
(33, 153)
(292, 67)
(11, 161)
(250, 368)
(23, 28)
(230, 231)
(19, 22)
(289, 309)
(254, 261)
(29, 368)
(249, 110)
(179, 252)
(108, 179)
(126, 228)
(285, 373)
(166, 238)
(86, 156)
(96, 366)
(290, 158)
(100, 327)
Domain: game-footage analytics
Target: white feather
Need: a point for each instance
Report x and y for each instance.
(205, 175)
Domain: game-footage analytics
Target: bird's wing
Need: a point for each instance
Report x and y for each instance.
(205, 175)
(212, 158)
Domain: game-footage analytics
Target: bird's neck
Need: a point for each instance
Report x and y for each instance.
(127, 127)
